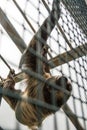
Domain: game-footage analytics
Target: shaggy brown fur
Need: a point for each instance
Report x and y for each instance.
(27, 113)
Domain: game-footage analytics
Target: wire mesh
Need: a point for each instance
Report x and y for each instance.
(67, 46)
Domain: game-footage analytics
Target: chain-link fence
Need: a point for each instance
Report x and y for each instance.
(67, 49)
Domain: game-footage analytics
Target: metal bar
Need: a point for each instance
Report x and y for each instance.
(69, 55)
(12, 31)
(5, 62)
(72, 117)
(24, 16)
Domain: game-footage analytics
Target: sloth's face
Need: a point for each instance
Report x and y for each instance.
(56, 93)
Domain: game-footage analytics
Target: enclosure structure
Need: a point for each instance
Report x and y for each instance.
(68, 48)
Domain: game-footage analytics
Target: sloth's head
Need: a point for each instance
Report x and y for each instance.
(57, 90)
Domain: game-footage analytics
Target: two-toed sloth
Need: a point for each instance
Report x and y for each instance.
(27, 113)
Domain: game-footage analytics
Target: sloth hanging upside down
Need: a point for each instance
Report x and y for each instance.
(27, 113)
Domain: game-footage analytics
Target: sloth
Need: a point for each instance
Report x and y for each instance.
(29, 114)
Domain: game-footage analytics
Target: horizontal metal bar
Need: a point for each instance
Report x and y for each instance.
(69, 55)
